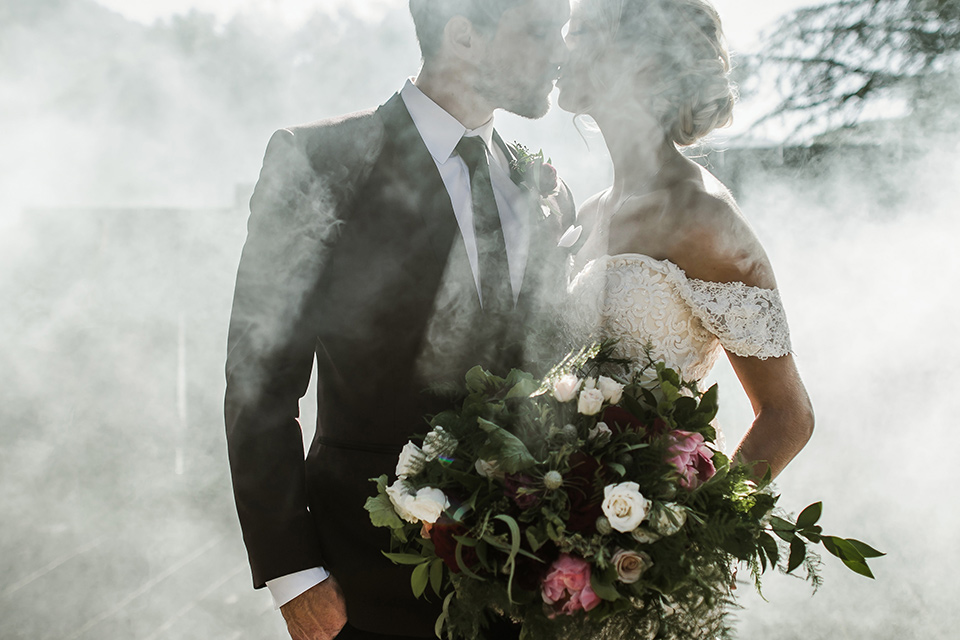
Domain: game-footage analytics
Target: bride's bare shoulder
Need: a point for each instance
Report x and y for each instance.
(714, 241)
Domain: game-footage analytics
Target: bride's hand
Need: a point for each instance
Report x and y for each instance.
(317, 614)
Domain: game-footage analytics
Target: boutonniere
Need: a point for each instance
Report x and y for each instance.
(536, 174)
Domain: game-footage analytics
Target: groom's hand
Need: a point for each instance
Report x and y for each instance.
(317, 614)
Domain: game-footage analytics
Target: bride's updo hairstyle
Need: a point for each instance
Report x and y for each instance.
(691, 94)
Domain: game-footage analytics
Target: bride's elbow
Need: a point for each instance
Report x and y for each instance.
(805, 421)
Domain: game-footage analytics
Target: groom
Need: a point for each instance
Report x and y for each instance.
(397, 247)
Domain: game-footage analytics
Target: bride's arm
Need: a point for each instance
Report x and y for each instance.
(783, 413)
(719, 246)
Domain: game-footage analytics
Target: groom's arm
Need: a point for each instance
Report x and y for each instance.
(270, 358)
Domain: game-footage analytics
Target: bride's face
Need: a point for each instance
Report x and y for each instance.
(596, 74)
(577, 90)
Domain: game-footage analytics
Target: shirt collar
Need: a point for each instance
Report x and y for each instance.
(441, 132)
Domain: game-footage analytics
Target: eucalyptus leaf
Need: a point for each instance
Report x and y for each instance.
(849, 551)
(769, 546)
(859, 566)
(532, 540)
(436, 575)
(709, 403)
(829, 543)
(522, 389)
(617, 468)
(809, 516)
(798, 551)
(404, 558)
(865, 550)
(419, 579)
(511, 454)
(604, 589)
(382, 513)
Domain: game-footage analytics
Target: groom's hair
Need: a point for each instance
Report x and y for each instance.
(430, 17)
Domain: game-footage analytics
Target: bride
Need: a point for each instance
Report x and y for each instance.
(668, 259)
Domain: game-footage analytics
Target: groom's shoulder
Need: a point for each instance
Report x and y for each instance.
(349, 138)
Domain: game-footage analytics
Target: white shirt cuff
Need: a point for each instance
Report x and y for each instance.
(286, 588)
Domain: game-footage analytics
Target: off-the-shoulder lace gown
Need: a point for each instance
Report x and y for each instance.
(642, 301)
(647, 303)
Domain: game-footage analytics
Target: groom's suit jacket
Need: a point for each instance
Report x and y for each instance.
(354, 258)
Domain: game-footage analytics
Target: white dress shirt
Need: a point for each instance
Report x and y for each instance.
(441, 133)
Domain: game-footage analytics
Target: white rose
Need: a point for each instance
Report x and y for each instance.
(611, 389)
(565, 388)
(624, 506)
(428, 504)
(668, 518)
(591, 401)
(411, 461)
(590, 383)
(401, 496)
(600, 432)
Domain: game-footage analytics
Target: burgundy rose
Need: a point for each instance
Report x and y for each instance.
(519, 487)
(620, 420)
(585, 497)
(442, 535)
(548, 179)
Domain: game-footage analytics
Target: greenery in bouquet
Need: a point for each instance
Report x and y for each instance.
(591, 503)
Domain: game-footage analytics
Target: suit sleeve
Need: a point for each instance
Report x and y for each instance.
(270, 355)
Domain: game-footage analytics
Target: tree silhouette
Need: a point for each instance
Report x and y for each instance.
(834, 60)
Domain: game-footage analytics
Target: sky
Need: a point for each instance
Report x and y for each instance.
(743, 19)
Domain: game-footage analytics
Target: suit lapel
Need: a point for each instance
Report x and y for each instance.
(420, 191)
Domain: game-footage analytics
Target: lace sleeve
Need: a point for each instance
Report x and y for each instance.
(749, 321)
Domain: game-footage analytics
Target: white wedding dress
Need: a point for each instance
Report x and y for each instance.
(651, 306)
(647, 303)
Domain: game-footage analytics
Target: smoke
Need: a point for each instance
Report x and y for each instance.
(130, 150)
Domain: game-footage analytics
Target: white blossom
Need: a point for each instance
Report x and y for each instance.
(590, 403)
(438, 443)
(565, 388)
(624, 506)
(611, 389)
(411, 461)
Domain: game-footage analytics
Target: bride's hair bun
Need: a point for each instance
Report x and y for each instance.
(683, 39)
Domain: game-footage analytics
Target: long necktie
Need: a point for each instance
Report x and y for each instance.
(495, 289)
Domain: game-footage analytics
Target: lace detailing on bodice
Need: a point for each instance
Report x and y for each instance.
(642, 301)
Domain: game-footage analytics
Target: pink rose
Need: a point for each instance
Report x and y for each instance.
(692, 457)
(567, 586)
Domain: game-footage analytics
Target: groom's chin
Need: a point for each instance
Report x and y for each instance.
(534, 110)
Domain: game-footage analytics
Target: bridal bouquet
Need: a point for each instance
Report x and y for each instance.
(584, 505)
